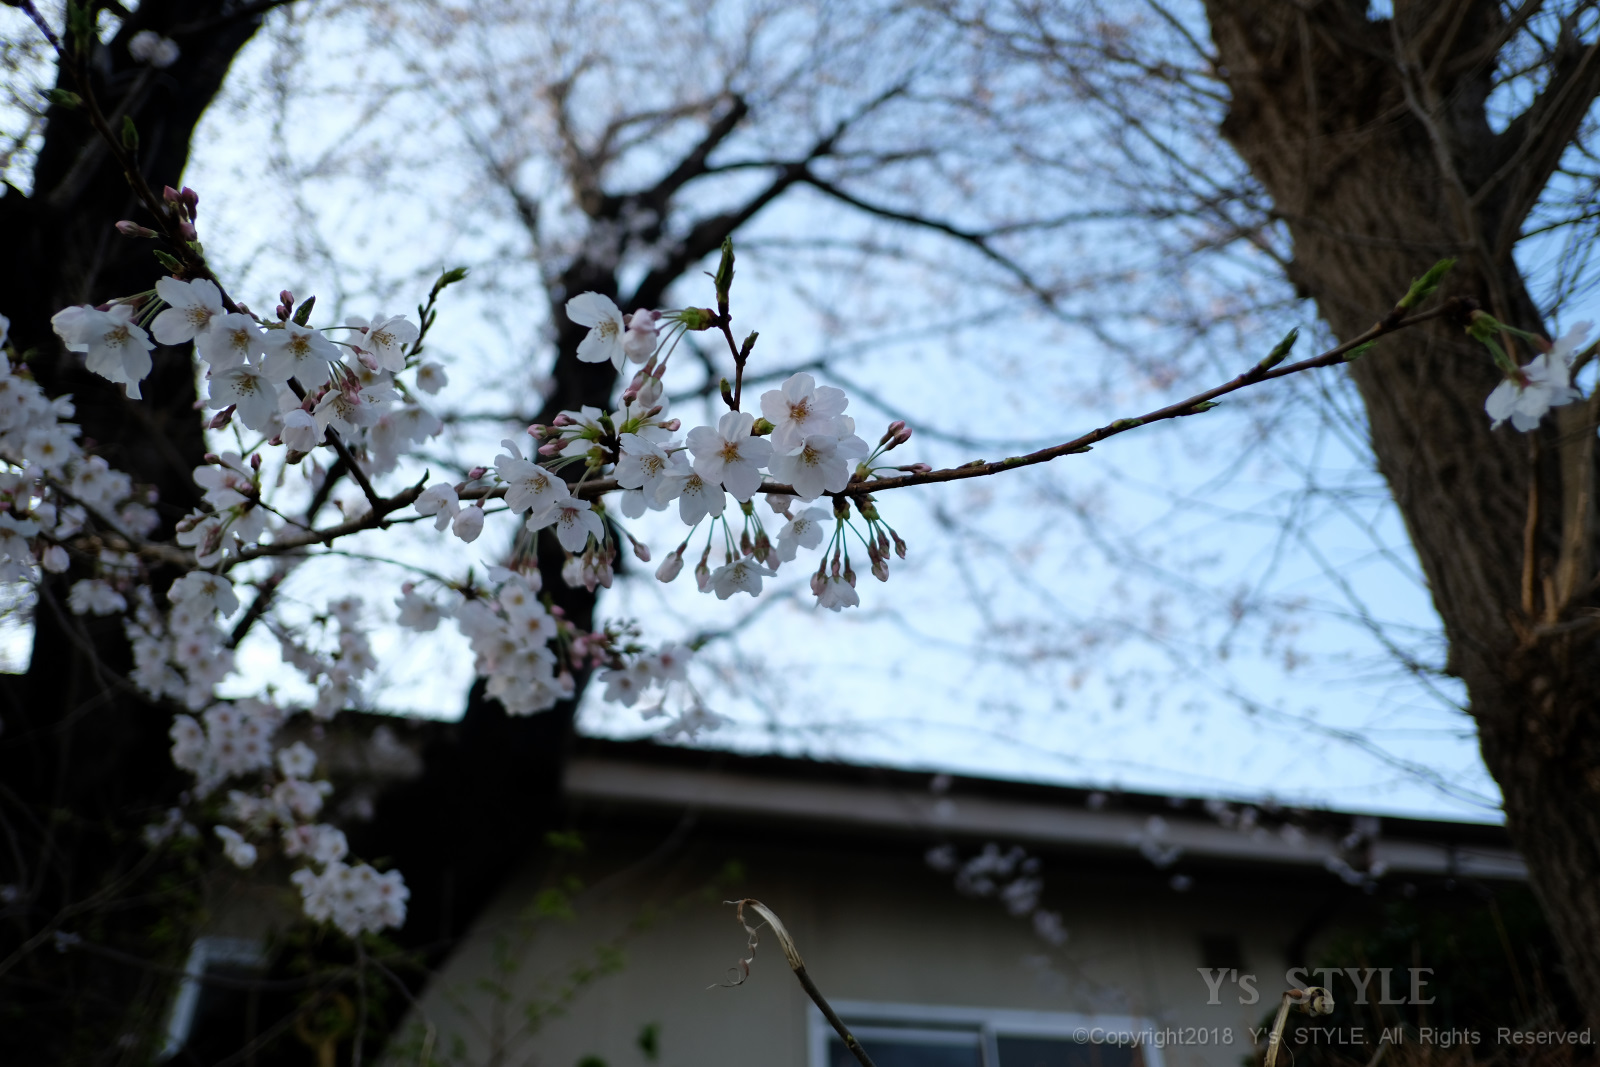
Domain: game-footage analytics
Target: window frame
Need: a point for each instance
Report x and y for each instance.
(991, 1023)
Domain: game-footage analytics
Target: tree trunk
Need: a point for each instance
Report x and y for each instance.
(83, 759)
(1381, 164)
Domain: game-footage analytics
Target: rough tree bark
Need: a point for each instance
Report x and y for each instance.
(1372, 138)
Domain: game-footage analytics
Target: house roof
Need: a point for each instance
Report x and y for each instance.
(814, 794)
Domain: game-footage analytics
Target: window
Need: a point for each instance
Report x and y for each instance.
(917, 1035)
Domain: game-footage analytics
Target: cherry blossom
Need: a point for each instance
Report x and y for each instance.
(150, 47)
(697, 497)
(192, 307)
(431, 378)
(1538, 385)
(113, 347)
(385, 338)
(248, 390)
(642, 464)
(729, 455)
(819, 465)
(741, 575)
(440, 500)
(300, 430)
(528, 486)
(231, 341)
(604, 342)
(297, 760)
(240, 852)
(803, 531)
(92, 596)
(574, 520)
(800, 408)
(296, 351)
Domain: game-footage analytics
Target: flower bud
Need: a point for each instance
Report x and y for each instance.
(133, 229)
(170, 195)
(187, 231)
(640, 550)
(191, 200)
(670, 567)
(901, 438)
(255, 461)
(880, 568)
(550, 448)
(476, 472)
(561, 420)
(212, 458)
(672, 425)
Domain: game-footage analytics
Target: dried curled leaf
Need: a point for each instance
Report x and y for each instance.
(737, 974)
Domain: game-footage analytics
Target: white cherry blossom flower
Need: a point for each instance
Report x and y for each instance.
(600, 314)
(211, 592)
(346, 410)
(113, 347)
(55, 559)
(1538, 385)
(805, 530)
(192, 307)
(230, 341)
(300, 430)
(642, 464)
(296, 351)
(742, 575)
(254, 394)
(834, 593)
(574, 521)
(729, 455)
(817, 466)
(92, 596)
(297, 760)
(148, 46)
(697, 497)
(385, 338)
(318, 842)
(431, 378)
(528, 485)
(799, 408)
(440, 500)
(418, 612)
(240, 852)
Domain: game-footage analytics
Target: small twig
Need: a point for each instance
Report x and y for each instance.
(796, 964)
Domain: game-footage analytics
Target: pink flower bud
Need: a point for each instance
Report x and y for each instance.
(880, 569)
(550, 449)
(286, 296)
(133, 229)
(536, 430)
(255, 461)
(670, 567)
(191, 200)
(902, 437)
(561, 420)
(187, 231)
(212, 458)
(672, 425)
(641, 551)
(476, 472)
(170, 195)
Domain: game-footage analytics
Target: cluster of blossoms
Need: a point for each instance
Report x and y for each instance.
(51, 491)
(183, 653)
(803, 440)
(299, 388)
